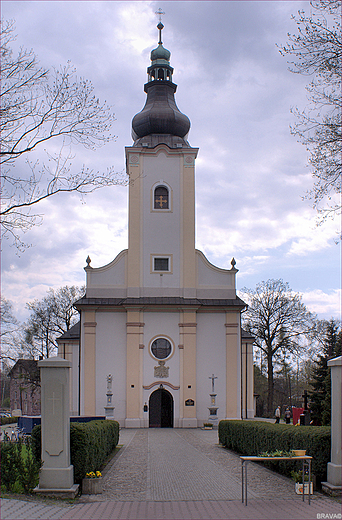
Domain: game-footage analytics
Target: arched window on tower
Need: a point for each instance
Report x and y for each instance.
(161, 198)
(160, 74)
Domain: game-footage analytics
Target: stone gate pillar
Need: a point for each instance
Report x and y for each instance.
(57, 474)
(333, 486)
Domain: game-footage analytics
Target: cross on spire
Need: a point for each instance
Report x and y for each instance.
(160, 12)
(160, 25)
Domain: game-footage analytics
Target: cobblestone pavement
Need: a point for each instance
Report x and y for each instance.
(176, 464)
(178, 474)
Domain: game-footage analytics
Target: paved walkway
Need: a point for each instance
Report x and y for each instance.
(178, 474)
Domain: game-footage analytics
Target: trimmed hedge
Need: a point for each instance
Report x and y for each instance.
(8, 420)
(90, 445)
(254, 437)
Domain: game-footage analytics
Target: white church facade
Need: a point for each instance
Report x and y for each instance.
(160, 324)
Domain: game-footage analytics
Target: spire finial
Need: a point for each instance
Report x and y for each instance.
(160, 12)
(160, 26)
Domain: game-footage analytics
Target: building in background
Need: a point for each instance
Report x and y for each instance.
(25, 387)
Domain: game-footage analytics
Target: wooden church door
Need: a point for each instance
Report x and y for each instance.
(161, 409)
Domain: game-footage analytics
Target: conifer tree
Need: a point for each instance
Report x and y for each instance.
(320, 397)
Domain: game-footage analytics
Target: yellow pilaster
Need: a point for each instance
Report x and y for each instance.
(89, 361)
(188, 333)
(134, 219)
(233, 361)
(134, 360)
(247, 377)
(188, 226)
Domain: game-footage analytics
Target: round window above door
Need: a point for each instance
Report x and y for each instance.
(161, 348)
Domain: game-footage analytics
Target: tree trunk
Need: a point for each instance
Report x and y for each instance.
(270, 383)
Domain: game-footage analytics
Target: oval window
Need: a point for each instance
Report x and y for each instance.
(161, 348)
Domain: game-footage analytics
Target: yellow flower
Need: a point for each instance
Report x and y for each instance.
(91, 474)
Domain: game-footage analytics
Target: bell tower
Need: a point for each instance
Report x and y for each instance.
(160, 318)
(161, 168)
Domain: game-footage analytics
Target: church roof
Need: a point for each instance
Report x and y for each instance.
(72, 333)
(165, 300)
(246, 335)
(160, 114)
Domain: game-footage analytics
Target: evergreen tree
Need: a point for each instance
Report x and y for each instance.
(320, 396)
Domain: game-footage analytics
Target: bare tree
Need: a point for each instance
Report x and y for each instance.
(37, 106)
(278, 320)
(11, 333)
(50, 318)
(317, 50)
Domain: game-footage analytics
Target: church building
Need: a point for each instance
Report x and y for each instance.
(159, 342)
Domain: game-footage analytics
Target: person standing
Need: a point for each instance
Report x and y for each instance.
(287, 415)
(277, 415)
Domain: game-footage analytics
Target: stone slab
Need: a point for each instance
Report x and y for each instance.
(330, 489)
(58, 493)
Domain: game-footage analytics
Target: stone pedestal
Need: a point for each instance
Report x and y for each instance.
(333, 486)
(92, 486)
(57, 474)
(109, 408)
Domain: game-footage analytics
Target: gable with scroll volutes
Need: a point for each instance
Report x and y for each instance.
(109, 277)
(208, 275)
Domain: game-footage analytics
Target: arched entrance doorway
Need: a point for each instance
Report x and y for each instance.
(161, 409)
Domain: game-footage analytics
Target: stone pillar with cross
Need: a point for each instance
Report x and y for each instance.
(333, 486)
(57, 474)
(213, 418)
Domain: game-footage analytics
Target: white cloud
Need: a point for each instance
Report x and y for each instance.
(326, 304)
(251, 173)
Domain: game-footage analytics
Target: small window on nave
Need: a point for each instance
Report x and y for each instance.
(161, 198)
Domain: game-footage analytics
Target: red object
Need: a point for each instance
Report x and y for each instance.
(296, 412)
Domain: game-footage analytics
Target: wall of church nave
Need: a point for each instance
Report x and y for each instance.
(211, 359)
(164, 370)
(111, 359)
(165, 325)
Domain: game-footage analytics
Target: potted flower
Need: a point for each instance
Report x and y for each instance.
(298, 478)
(92, 483)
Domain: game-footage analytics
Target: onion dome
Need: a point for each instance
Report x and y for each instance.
(160, 114)
(160, 53)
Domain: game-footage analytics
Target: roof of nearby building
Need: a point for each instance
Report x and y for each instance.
(28, 365)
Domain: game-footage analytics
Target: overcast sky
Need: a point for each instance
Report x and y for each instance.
(251, 174)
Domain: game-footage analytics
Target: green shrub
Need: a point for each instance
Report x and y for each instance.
(19, 468)
(9, 464)
(36, 443)
(255, 437)
(90, 445)
(28, 466)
